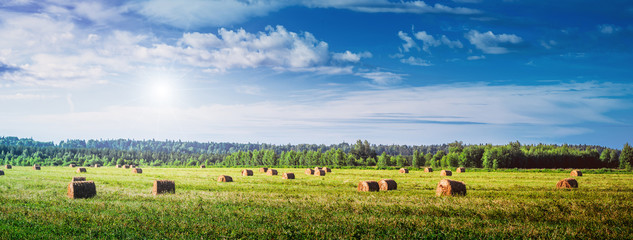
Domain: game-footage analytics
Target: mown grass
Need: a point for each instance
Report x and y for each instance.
(508, 205)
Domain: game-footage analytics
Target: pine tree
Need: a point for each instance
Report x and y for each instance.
(626, 157)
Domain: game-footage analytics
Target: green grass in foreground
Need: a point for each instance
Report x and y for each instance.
(33, 205)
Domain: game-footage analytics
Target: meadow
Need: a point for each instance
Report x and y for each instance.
(499, 204)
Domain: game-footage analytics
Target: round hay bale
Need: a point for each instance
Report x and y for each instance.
(447, 187)
(97, 165)
(247, 172)
(319, 172)
(271, 172)
(82, 189)
(1, 172)
(77, 179)
(567, 183)
(403, 170)
(8, 166)
(117, 166)
(203, 166)
(264, 169)
(576, 173)
(428, 169)
(326, 169)
(368, 186)
(72, 165)
(132, 166)
(137, 170)
(288, 176)
(446, 173)
(460, 170)
(309, 171)
(225, 178)
(126, 166)
(36, 167)
(163, 186)
(80, 170)
(387, 184)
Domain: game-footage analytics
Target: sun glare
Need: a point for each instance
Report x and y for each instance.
(161, 91)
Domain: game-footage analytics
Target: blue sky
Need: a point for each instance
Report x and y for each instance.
(391, 72)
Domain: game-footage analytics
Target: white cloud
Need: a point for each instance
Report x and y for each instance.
(22, 96)
(197, 13)
(490, 43)
(431, 114)
(408, 42)
(430, 41)
(476, 57)
(382, 78)
(608, 29)
(248, 89)
(416, 61)
(351, 57)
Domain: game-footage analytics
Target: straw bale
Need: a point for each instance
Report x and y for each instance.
(447, 187)
(368, 186)
(163, 186)
(82, 189)
(576, 173)
(137, 170)
(80, 170)
(264, 169)
(428, 169)
(446, 173)
(225, 178)
(326, 169)
(387, 184)
(247, 172)
(319, 172)
(77, 179)
(288, 176)
(271, 172)
(460, 170)
(567, 183)
(309, 171)
(403, 170)
(8, 166)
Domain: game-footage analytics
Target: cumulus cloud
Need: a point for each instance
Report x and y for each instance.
(430, 41)
(490, 43)
(476, 57)
(416, 61)
(382, 78)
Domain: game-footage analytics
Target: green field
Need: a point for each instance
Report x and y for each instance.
(34, 205)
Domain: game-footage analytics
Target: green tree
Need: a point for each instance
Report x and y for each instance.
(415, 162)
(626, 157)
(400, 161)
(382, 160)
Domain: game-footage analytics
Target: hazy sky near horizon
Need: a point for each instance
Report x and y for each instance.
(327, 71)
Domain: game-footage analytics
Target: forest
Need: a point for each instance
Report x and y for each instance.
(26, 151)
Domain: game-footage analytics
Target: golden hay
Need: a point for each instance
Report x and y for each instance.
(403, 170)
(326, 169)
(368, 186)
(446, 173)
(309, 171)
(80, 170)
(288, 176)
(78, 179)
(1, 172)
(567, 183)
(225, 178)
(319, 172)
(576, 173)
(387, 184)
(447, 187)
(163, 186)
(8, 166)
(137, 170)
(247, 172)
(97, 165)
(264, 169)
(203, 166)
(271, 172)
(460, 170)
(72, 165)
(82, 189)
(428, 169)
(36, 167)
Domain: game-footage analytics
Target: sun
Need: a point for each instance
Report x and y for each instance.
(161, 91)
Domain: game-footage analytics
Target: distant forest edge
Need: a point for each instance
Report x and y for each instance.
(26, 152)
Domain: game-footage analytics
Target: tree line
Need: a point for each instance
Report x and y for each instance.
(26, 151)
